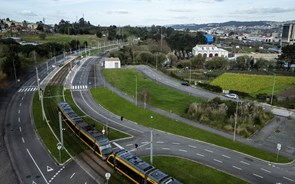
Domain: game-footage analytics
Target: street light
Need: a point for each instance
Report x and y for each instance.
(135, 89)
(273, 87)
(107, 175)
(236, 119)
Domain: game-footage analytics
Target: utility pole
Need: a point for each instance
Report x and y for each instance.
(273, 88)
(136, 89)
(61, 130)
(151, 158)
(14, 71)
(236, 118)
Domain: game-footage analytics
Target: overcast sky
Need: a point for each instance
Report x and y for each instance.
(147, 12)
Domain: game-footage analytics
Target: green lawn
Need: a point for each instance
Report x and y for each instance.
(253, 84)
(122, 107)
(189, 172)
(158, 95)
(92, 40)
(71, 142)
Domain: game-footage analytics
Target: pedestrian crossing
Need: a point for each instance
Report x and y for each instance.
(27, 89)
(79, 87)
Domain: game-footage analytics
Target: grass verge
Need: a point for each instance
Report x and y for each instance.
(157, 95)
(198, 173)
(122, 107)
(71, 142)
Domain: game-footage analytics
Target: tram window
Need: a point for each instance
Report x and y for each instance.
(130, 172)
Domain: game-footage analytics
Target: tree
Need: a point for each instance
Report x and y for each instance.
(40, 26)
(216, 63)
(198, 61)
(288, 54)
(173, 59)
(144, 57)
(261, 64)
(112, 32)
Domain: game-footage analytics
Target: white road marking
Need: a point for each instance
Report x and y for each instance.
(20, 104)
(191, 146)
(237, 167)
(49, 169)
(56, 174)
(217, 160)
(19, 90)
(257, 175)
(159, 142)
(244, 163)
(72, 175)
(200, 155)
(23, 140)
(209, 151)
(19, 120)
(20, 129)
(165, 148)
(147, 148)
(22, 98)
(265, 170)
(225, 156)
(288, 179)
(19, 111)
(176, 143)
(128, 145)
(144, 142)
(37, 166)
(181, 150)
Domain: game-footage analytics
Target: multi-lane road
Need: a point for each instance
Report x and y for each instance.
(32, 163)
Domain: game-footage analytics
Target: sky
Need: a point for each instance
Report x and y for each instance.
(147, 12)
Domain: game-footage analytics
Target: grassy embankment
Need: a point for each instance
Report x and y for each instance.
(253, 84)
(142, 116)
(72, 143)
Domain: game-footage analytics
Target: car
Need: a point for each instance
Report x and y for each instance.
(232, 95)
(185, 83)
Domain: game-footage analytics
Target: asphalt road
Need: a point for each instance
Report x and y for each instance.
(238, 164)
(31, 162)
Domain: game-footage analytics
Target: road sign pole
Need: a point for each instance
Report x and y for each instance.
(279, 146)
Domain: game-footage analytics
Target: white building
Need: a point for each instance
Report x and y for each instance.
(209, 51)
(112, 63)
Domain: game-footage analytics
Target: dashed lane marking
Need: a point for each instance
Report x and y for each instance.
(176, 143)
(200, 155)
(208, 150)
(20, 129)
(191, 146)
(72, 175)
(127, 145)
(20, 104)
(18, 111)
(181, 150)
(225, 156)
(265, 170)
(237, 167)
(165, 148)
(288, 178)
(257, 175)
(56, 174)
(23, 140)
(19, 120)
(159, 142)
(219, 161)
(244, 163)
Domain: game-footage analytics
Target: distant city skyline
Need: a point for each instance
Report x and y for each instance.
(147, 12)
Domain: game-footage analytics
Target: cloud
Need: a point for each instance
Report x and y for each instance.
(264, 10)
(118, 12)
(28, 13)
(182, 10)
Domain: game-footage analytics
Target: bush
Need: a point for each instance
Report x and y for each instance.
(240, 93)
(209, 87)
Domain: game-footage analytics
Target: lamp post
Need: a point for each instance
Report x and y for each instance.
(236, 119)
(273, 88)
(107, 175)
(136, 90)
